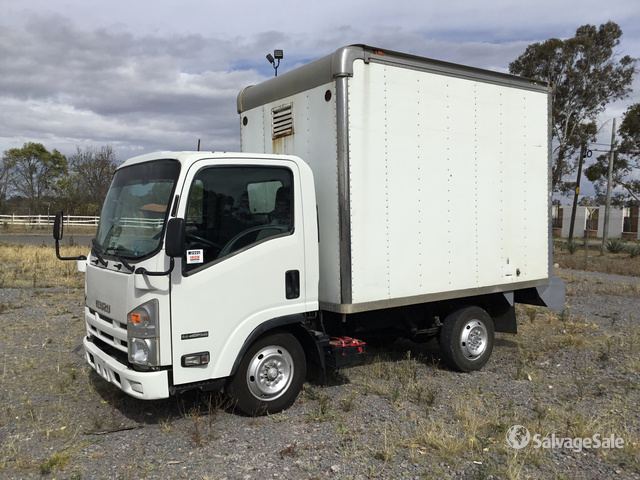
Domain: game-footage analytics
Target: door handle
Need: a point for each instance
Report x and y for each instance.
(292, 284)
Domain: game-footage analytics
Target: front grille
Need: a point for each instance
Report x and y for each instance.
(109, 350)
(109, 320)
(110, 331)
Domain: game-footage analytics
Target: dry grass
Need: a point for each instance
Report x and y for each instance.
(37, 266)
(47, 229)
(577, 285)
(322, 410)
(467, 423)
(56, 461)
(556, 377)
(398, 380)
(592, 260)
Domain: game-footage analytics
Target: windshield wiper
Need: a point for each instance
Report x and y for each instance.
(126, 264)
(114, 251)
(95, 250)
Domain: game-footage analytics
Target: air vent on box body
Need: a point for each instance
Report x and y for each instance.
(282, 121)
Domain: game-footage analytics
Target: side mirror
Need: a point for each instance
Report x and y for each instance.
(174, 243)
(58, 226)
(58, 230)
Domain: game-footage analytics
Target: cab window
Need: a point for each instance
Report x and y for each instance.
(233, 208)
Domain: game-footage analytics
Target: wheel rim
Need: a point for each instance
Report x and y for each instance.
(474, 339)
(270, 373)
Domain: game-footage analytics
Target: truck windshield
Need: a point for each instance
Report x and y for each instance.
(134, 212)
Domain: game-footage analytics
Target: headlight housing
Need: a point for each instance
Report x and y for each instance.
(143, 334)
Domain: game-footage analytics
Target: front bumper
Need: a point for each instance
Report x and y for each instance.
(144, 385)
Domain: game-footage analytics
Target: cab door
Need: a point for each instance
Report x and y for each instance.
(243, 261)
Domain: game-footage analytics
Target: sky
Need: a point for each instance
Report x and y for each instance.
(148, 75)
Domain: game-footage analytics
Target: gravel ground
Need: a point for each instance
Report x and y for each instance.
(401, 415)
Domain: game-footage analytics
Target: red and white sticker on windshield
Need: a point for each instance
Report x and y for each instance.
(195, 256)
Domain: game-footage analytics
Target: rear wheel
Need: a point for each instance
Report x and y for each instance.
(466, 339)
(270, 375)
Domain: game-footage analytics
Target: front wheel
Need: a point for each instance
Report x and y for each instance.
(270, 375)
(466, 339)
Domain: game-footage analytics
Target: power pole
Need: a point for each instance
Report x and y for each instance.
(583, 153)
(607, 205)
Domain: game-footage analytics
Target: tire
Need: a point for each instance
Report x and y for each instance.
(270, 375)
(466, 339)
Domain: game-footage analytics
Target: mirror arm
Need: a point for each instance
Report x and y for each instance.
(60, 257)
(144, 271)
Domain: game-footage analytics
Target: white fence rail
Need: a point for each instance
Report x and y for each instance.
(142, 222)
(35, 220)
(44, 220)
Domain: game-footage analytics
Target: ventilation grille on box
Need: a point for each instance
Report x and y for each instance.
(282, 121)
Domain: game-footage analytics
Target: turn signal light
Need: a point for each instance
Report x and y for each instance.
(195, 359)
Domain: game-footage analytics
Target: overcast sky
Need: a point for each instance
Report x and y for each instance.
(147, 75)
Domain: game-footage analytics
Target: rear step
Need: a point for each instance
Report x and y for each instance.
(346, 351)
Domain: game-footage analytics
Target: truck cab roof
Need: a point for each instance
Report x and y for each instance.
(187, 158)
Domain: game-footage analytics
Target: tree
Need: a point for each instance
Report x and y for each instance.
(626, 164)
(90, 174)
(584, 75)
(5, 180)
(34, 172)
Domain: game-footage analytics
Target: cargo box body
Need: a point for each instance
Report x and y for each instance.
(432, 179)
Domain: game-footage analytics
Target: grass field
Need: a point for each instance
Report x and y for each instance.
(47, 229)
(37, 266)
(591, 259)
(400, 415)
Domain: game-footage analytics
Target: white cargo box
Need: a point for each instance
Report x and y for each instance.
(432, 179)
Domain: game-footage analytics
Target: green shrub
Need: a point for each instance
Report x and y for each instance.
(634, 250)
(615, 245)
(572, 247)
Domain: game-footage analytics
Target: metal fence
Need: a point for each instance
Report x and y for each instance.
(36, 220)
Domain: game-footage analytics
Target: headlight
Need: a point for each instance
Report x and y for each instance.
(143, 333)
(143, 351)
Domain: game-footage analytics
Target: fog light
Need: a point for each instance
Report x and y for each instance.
(136, 387)
(195, 359)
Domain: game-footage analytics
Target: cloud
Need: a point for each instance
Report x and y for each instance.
(86, 79)
(66, 86)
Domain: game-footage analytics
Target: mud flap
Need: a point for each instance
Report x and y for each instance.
(551, 295)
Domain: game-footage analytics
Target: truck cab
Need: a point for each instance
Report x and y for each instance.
(246, 259)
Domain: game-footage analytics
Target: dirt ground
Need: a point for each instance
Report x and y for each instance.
(400, 415)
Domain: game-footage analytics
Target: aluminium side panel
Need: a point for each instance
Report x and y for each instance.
(526, 183)
(314, 140)
(448, 183)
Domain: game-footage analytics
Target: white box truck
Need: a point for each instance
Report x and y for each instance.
(379, 195)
